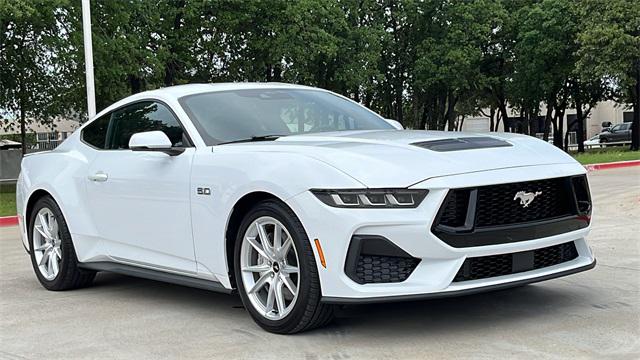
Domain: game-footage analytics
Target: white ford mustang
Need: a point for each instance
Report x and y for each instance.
(298, 199)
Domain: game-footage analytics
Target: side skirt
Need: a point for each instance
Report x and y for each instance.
(156, 275)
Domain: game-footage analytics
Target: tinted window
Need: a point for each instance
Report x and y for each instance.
(95, 133)
(234, 115)
(145, 116)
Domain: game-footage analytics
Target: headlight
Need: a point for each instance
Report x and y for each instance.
(371, 198)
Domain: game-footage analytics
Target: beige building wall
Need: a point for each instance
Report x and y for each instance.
(59, 125)
(603, 111)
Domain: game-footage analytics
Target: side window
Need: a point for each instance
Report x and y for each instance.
(145, 116)
(95, 134)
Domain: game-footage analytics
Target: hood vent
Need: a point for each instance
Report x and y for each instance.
(466, 143)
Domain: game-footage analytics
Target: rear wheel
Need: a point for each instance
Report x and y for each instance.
(52, 254)
(276, 272)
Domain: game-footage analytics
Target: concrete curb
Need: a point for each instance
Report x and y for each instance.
(8, 220)
(612, 165)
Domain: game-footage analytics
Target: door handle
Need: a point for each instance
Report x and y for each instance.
(99, 177)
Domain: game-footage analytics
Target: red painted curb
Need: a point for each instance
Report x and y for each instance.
(8, 220)
(612, 165)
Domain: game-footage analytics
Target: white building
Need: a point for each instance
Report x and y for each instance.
(606, 111)
(47, 136)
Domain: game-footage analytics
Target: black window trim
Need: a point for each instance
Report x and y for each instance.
(91, 122)
(109, 135)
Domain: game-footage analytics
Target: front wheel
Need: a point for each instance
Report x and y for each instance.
(276, 272)
(51, 249)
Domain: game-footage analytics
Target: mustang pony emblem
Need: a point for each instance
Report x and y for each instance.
(526, 197)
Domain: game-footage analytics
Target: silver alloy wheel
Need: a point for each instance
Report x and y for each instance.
(270, 268)
(46, 243)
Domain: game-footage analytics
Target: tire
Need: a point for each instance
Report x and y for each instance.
(304, 311)
(60, 249)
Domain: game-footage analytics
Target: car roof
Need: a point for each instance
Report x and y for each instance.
(179, 91)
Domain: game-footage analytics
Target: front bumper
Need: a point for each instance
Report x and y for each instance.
(452, 292)
(410, 230)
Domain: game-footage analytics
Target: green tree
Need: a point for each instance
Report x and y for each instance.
(610, 50)
(545, 57)
(449, 57)
(33, 72)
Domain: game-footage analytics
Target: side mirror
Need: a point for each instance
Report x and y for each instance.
(153, 141)
(396, 124)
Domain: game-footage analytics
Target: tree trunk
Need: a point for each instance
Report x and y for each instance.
(580, 131)
(423, 118)
(505, 114)
(547, 123)
(135, 84)
(23, 126)
(558, 128)
(461, 123)
(450, 115)
(171, 67)
(492, 114)
(399, 112)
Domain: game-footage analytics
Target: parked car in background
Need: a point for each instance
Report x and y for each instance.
(593, 142)
(618, 133)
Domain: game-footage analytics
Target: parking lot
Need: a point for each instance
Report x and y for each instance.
(588, 315)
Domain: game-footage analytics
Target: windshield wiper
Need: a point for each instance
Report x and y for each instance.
(269, 137)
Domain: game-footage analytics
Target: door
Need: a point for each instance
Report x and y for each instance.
(140, 200)
(625, 132)
(618, 133)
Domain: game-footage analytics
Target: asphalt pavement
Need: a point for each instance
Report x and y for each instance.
(594, 314)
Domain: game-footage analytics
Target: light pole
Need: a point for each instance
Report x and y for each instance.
(88, 58)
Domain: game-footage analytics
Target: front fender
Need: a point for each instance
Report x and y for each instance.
(284, 175)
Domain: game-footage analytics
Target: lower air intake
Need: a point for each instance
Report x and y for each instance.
(373, 269)
(374, 259)
(505, 264)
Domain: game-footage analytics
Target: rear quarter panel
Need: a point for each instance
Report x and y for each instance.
(62, 174)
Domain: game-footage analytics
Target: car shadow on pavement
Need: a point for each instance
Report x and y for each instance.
(112, 284)
(470, 313)
(436, 316)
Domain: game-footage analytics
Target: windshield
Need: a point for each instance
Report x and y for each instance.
(227, 116)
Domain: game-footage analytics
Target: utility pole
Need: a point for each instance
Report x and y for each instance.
(88, 58)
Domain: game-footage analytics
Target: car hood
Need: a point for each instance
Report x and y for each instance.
(400, 158)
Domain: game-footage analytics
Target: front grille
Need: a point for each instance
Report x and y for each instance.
(496, 204)
(454, 211)
(503, 213)
(498, 265)
(384, 269)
